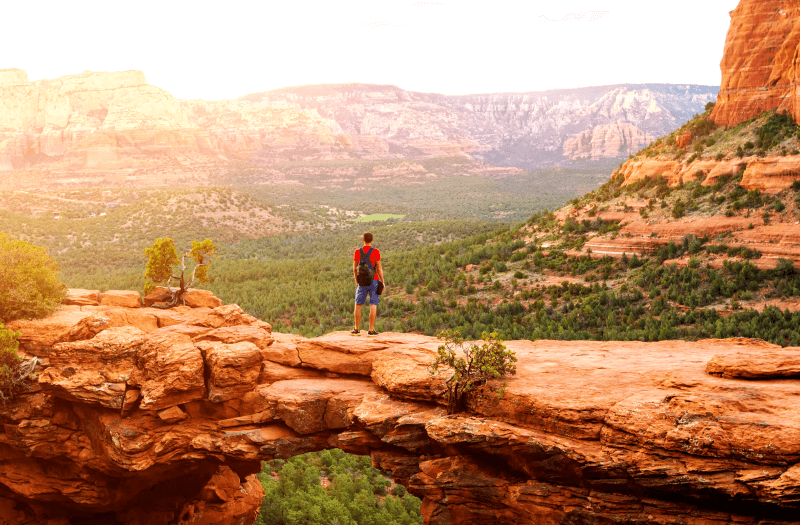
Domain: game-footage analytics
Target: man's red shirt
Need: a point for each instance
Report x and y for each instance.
(374, 257)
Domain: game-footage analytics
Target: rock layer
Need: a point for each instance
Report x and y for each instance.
(759, 64)
(585, 432)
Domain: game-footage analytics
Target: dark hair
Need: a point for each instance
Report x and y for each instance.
(367, 238)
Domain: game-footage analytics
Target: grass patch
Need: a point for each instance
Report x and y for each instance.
(377, 217)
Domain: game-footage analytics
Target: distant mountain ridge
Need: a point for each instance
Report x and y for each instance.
(116, 121)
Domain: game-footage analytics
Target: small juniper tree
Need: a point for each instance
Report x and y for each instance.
(473, 364)
(15, 373)
(162, 256)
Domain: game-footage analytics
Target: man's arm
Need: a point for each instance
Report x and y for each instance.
(379, 271)
(355, 271)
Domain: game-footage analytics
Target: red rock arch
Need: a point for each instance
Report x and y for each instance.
(149, 416)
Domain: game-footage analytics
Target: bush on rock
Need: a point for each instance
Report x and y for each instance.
(29, 285)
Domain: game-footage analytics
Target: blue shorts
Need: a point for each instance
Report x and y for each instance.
(362, 291)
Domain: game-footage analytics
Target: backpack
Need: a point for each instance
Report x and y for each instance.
(365, 273)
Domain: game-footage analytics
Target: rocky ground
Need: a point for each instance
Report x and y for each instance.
(142, 415)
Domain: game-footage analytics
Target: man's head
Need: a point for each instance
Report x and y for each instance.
(367, 238)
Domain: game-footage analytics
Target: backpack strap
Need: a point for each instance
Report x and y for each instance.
(366, 255)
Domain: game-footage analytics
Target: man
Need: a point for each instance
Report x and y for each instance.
(373, 257)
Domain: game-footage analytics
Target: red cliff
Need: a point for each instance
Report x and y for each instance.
(147, 416)
(759, 65)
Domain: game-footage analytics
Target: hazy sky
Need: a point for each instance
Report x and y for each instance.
(226, 49)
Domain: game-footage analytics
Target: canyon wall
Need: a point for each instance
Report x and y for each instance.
(759, 65)
(116, 121)
(148, 416)
(759, 73)
(92, 119)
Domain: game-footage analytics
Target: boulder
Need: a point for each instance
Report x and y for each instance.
(281, 353)
(124, 298)
(684, 140)
(233, 369)
(159, 294)
(200, 298)
(172, 415)
(173, 370)
(81, 297)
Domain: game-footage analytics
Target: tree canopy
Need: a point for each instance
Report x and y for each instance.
(162, 257)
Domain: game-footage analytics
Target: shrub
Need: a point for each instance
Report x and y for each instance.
(778, 206)
(14, 372)
(29, 285)
(719, 156)
(479, 364)
(777, 127)
(679, 209)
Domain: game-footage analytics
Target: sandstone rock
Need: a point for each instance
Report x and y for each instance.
(172, 414)
(124, 298)
(80, 297)
(282, 353)
(607, 141)
(145, 319)
(233, 368)
(339, 352)
(309, 406)
(159, 294)
(610, 421)
(86, 328)
(113, 351)
(773, 363)
(684, 139)
(237, 334)
(97, 370)
(758, 68)
(38, 337)
(200, 298)
(273, 372)
(173, 369)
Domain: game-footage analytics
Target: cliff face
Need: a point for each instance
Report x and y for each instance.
(116, 121)
(759, 65)
(148, 416)
(93, 119)
(607, 141)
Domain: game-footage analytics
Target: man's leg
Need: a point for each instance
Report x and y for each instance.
(357, 314)
(373, 313)
(374, 301)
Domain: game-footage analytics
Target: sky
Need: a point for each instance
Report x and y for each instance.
(226, 49)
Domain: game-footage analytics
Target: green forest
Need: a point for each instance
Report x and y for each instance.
(333, 488)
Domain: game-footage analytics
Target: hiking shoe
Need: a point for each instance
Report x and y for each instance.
(355, 332)
(372, 333)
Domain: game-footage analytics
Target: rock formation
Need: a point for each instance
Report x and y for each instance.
(94, 119)
(116, 122)
(759, 65)
(149, 416)
(607, 141)
(759, 73)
